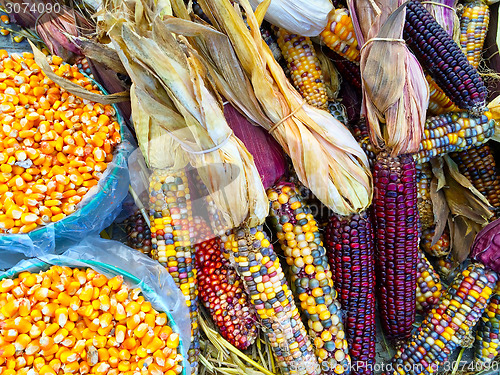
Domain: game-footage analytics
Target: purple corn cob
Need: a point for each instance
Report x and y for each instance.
(349, 70)
(349, 243)
(443, 58)
(396, 233)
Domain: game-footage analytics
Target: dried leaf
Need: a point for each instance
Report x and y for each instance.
(73, 88)
(438, 171)
(100, 53)
(439, 208)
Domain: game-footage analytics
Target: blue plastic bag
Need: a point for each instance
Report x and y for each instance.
(112, 258)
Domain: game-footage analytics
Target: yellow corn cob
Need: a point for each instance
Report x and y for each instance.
(171, 219)
(474, 20)
(339, 34)
(304, 67)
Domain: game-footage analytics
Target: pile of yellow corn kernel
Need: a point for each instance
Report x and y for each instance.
(54, 146)
(66, 320)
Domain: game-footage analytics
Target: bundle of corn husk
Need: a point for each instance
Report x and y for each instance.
(302, 17)
(325, 155)
(171, 87)
(395, 92)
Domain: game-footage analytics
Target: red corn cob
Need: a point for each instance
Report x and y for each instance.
(221, 290)
(396, 233)
(349, 243)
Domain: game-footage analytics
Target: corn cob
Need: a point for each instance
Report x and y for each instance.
(48, 325)
(339, 36)
(454, 132)
(370, 150)
(311, 277)
(221, 290)
(428, 285)
(304, 67)
(488, 332)
(478, 165)
(474, 21)
(442, 246)
(396, 233)
(424, 202)
(259, 267)
(138, 233)
(271, 42)
(443, 59)
(349, 243)
(171, 221)
(445, 266)
(439, 103)
(444, 328)
(349, 70)
(338, 111)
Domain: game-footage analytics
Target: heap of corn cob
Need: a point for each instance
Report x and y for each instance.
(488, 332)
(171, 242)
(221, 290)
(351, 253)
(64, 320)
(55, 147)
(311, 277)
(444, 328)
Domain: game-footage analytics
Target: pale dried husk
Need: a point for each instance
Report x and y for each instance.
(170, 86)
(395, 92)
(325, 156)
(302, 17)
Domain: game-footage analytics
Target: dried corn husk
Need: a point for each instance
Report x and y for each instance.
(302, 17)
(331, 75)
(395, 92)
(326, 157)
(445, 15)
(170, 86)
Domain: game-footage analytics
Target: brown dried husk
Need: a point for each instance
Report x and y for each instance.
(395, 92)
(170, 85)
(326, 157)
(459, 204)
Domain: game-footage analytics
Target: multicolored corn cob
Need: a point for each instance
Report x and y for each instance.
(259, 267)
(445, 267)
(488, 332)
(444, 328)
(311, 276)
(350, 248)
(424, 202)
(338, 111)
(360, 132)
(171, 241)
(138, 233)
(339, 35)
(454, 132)
(396, 234)
(443, 59)
(428, 285)
(271, 41)
(478, 165)
(221, 290)
(304, 66)
(442, 246)
(349, 70)
(474, 21)
(439, 103)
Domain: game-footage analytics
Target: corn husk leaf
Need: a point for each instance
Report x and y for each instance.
(494, 108)
(460, 204)
(318, 144)
(395, 91)
(73, 88)
(170, 85)
(306, 18)
(446, 17)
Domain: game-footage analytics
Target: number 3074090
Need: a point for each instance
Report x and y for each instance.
(15, 7)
